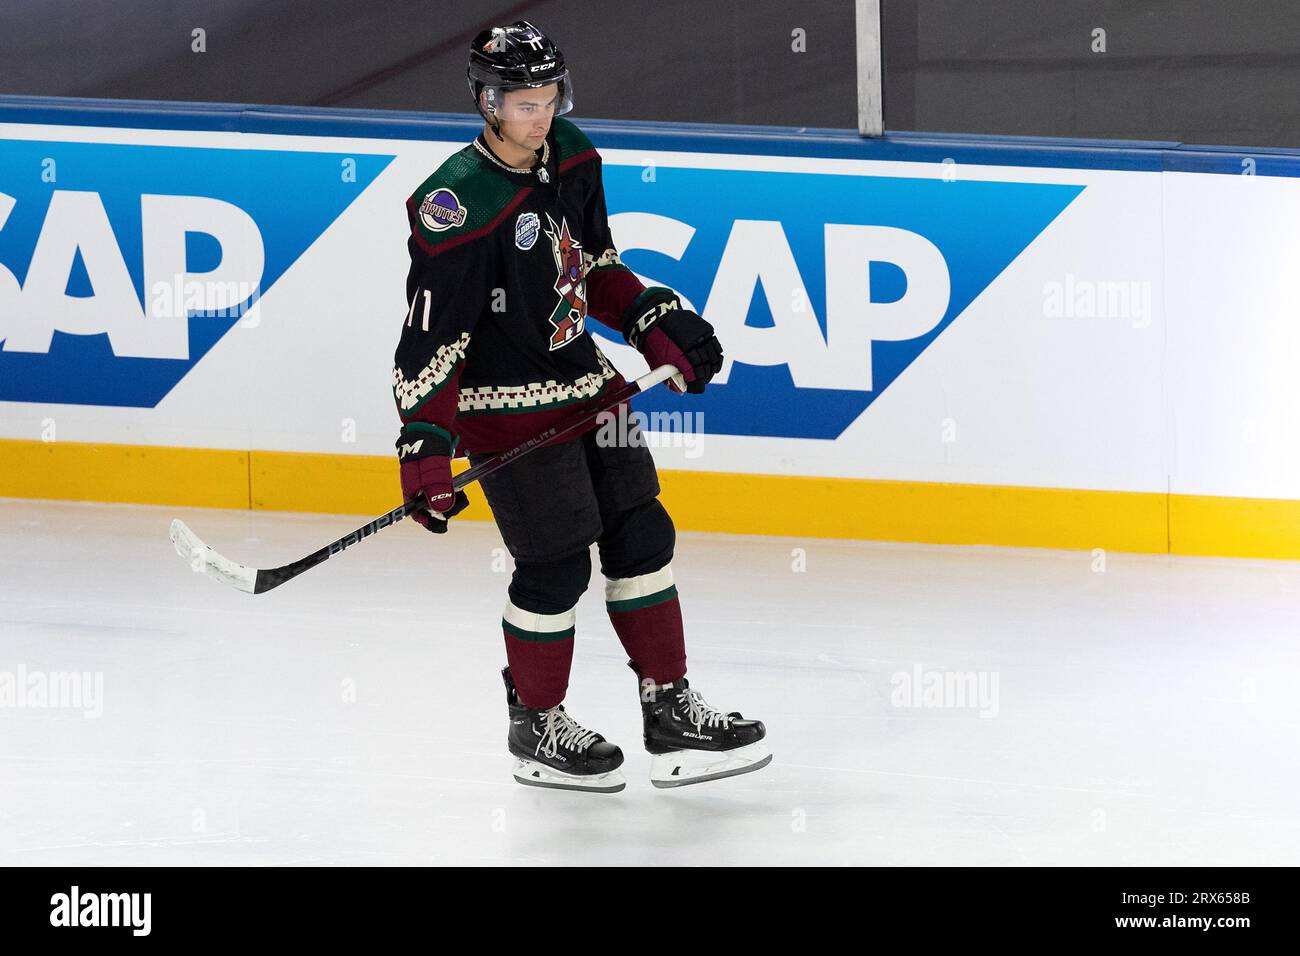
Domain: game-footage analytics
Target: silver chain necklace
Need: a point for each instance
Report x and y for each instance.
(542, 174)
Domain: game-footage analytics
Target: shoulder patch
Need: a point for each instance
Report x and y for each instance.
(461, 198)
(440, 209)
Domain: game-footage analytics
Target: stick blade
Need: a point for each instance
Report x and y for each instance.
(202, 558)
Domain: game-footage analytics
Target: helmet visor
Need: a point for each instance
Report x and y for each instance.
(522, 103)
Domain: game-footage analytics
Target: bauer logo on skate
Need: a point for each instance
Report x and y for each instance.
(126, 264)
(822, 288)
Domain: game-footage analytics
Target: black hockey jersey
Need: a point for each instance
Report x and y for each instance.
(506, 266)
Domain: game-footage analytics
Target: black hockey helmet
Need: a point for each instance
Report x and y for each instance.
(518, 56)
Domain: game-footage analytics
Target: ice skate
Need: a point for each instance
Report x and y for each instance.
(691, 742)
(553, 750)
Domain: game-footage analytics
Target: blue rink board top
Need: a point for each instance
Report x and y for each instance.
(1149, 156)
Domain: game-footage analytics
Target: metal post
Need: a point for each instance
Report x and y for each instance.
(871, 115)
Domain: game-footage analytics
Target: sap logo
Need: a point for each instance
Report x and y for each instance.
(757, 255)
(823, 288)
(77, 233)
(116, 281)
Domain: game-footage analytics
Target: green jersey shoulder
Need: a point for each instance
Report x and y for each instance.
(570, 140)
(460, 198)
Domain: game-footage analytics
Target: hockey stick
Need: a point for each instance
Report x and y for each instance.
(259, 580)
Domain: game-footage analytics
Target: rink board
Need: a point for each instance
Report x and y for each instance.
(941, 339)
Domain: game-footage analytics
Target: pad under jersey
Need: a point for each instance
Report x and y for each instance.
(506, 267)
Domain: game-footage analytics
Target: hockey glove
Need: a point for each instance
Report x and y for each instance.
(425, 453)
(659, 328)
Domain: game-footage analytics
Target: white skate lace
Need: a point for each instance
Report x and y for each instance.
(561, 730)
(700, 713)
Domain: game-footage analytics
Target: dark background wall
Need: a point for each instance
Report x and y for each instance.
(1199, 71)
(686, 60)
(1192, 70)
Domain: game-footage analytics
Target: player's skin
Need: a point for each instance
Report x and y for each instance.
(524, 119)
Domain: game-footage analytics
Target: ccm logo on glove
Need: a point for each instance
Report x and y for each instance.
(425, 452)
(659, 328)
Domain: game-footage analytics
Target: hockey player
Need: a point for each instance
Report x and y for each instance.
(510, 254)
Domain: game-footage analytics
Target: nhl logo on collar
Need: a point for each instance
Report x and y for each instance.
(527, 226)
(442, 210)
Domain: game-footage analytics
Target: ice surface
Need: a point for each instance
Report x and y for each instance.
(1144, 714)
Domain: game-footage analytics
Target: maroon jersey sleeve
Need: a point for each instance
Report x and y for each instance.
(611, 286)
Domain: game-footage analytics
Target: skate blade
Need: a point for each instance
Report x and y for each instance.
(532, 774)
(682, 768)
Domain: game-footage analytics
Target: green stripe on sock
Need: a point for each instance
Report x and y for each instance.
(635, 604)
(536, 637)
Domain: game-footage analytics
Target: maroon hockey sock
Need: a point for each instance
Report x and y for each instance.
(539, 649)
(648, 620)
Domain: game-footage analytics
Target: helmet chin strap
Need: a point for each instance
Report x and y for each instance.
(489, 119)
